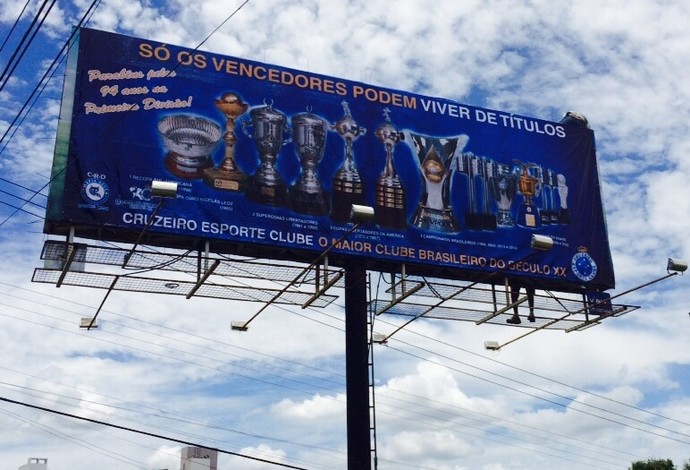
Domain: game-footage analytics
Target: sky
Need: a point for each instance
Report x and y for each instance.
(600, 398)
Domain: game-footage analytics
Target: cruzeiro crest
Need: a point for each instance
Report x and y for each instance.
(583, 265)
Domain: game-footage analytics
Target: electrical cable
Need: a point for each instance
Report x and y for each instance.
(21, 49)
(145, 433)
(398, 415)
(557, 382)
(16, 22)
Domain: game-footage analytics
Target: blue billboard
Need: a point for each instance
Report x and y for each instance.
(269, 160)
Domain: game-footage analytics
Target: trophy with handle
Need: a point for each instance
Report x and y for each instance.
(309, 136)
(347, 185)
(528, 186)
(390, 211)
(270, 132)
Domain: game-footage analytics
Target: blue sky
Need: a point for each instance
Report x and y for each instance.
(600, 398)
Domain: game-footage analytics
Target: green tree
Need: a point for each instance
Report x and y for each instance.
(655, 464)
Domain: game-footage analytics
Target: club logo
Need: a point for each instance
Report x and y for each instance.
(583, 265)
(95, 191)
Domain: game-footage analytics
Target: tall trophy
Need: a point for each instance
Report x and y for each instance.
(228, 176)
(478, 170)
(503, 188)
(564, 212)
(436, 156)
(546, 188)
(270, 133)
(553, 186)
(390, 211)
(347, 185)
(309, 137)
(528, 186)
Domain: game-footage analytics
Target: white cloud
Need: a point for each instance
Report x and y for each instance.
(277, 391)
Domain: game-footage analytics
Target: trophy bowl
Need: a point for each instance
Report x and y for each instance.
(189, 136)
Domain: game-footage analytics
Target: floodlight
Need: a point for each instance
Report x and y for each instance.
(574, 118)
(541, 242)
(167, 189)
(492, 345)
(360, 213)
(88, 322)
(676, 265)
(239, 326)
(378, 338)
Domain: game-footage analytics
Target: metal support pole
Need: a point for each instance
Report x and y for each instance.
(357, 368)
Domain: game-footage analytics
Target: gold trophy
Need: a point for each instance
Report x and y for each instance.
(228, 176)
(529, 186)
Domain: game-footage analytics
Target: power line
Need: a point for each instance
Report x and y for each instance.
(146, 433)
(408, 407)
(16, 22)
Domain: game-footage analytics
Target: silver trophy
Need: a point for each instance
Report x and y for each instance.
(390, 211)
(564, 212)
(553, 190)
(309, 137)
(436, 156)
(546, 195)
(270, 133)
(347, 185)
(503, 188)
(528, 186)
(190, 141)
(478, 170)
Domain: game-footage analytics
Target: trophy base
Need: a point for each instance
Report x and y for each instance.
(192, 170)
(480, 222)
(545, 217)
(390, 205)
(528, 216)
(435, 220)
(564, 216)
(268, 195)
(341, 204)
(307, 203)
(504, 219)
(225, 180)
(393, 218)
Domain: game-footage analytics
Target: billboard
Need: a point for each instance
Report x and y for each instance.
(268, 161)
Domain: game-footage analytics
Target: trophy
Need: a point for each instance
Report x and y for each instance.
(553, 186)
(528, 186)
(347, 185)
(436, 155)
(190, 141)
(228, 176)
(546, 193)
(503, 187)
(309, 136)
(390, 209)
(564, 212)
(269, 128)
(478, 170)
